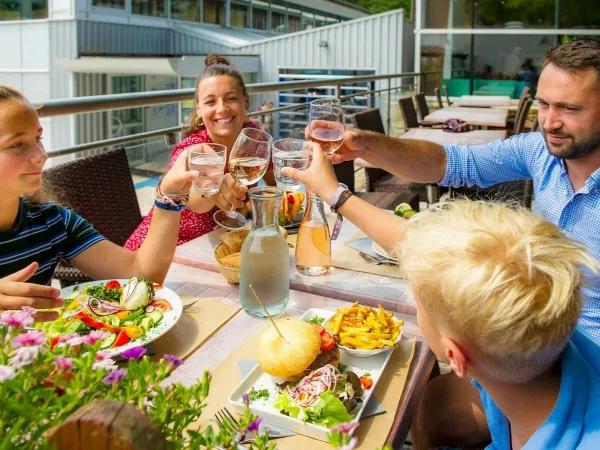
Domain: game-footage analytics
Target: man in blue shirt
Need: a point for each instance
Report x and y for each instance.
(563, 160)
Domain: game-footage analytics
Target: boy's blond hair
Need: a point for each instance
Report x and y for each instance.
(498, 278)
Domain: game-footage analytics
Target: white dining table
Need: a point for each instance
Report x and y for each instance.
(483, 101)
(442, 137)
(489, 117)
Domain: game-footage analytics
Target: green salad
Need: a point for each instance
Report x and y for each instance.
(125, 313)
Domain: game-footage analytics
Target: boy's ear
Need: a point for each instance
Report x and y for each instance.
(456, 355)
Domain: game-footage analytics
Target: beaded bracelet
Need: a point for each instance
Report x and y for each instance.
(170, 202)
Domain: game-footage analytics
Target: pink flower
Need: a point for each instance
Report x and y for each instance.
(345, 428)
(33, 338)
(6, 373)
(63, 363)
(29, 310)
(174, 360)
(350, 445)
(67, 337)
(16, 319)
(95, 336)
(104, 361)
(24, 356)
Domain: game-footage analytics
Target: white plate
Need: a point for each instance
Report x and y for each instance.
(168, 321)
(258, 379)
(383, 252)
(359, 353)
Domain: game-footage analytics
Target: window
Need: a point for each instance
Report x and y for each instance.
(119, 4)
(294, 23)
(210, 11)
(126, 122)
(579, 13)
(23, 9)
(154, 8)
(259, 18)
(239, 15)
(277, 22)
(186, 10)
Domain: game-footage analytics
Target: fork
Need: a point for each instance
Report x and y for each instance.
(229, 423)
(373, 260)
(189, 305)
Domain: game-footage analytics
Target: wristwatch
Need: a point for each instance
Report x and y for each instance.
(339, 197)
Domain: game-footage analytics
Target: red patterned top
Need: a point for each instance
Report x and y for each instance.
(192, 225)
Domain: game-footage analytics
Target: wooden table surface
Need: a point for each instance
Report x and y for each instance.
(392, 293)
(210, 286)
(442, 137)
(473, 116)
(483, 101)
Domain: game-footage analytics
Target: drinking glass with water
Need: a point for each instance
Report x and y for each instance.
(209, 160)
(289, 153)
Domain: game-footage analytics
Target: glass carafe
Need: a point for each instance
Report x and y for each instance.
(313, 247)
(265, 257)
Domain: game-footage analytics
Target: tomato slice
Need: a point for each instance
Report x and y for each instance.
(366, 382)
(162, 305)
(114, 284)
(327, 341)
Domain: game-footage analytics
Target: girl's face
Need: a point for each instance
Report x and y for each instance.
(22, 154)
(222, 106)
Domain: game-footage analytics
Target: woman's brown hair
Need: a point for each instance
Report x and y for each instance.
(214, 66)
(46, 192)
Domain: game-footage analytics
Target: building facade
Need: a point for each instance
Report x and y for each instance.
(491, 44)
(68, 48)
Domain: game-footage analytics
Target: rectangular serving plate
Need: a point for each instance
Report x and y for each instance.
(257, 379)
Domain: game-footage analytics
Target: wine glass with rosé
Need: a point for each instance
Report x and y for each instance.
(327, 125)
(248, 163)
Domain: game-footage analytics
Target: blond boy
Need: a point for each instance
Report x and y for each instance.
(498, 298)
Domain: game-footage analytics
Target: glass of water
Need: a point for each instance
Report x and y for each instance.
(289, 153)
(209, 160)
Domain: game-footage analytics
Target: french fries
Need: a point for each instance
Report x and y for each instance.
(364, 328)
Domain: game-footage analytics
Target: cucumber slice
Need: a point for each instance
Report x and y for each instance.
(108, 341)
(156, 316)
(114, 321)
(73, 327)
(146, 323)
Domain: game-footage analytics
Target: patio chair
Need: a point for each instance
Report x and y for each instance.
(525, 94)
(422, 108)
(379, 180)
(522, 116)
(536, 124)
(409, 113)
(445, 89)
(510, 191)
(438, 95)
(100, 189)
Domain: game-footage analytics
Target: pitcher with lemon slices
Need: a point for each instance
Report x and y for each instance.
(313, 247)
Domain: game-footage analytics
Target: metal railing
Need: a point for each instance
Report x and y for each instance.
(100, 103)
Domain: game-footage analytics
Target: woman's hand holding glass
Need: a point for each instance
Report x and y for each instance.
(231, 194)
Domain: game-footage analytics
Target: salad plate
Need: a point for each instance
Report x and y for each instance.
(135, 312)
(268, 398)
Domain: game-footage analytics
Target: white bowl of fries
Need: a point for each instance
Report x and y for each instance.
(363, 331)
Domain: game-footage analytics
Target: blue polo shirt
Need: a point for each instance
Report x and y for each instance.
(574, 423)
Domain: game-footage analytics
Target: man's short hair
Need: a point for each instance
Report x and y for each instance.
(498, 278)
(575, 56)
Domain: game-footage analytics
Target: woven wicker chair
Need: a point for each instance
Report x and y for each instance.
(409, 113)
(438, 95)
(100, 189)
(510, 191)
(522, 116)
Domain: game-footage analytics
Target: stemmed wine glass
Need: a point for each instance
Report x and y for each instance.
(248, 162)
(327, 125)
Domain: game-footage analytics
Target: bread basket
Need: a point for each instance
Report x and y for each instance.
(231, 275)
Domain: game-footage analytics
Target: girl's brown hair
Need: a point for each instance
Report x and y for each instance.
(46, 192)
(214, 66)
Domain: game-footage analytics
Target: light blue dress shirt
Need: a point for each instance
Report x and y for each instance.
(525, 156)
(574, 423)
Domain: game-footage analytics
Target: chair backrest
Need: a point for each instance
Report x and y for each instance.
(409, 114)
(445, 89)
(438, 95)
(509, 191)
(100, 189)
(370, 120)
(536, 124)
(526, 92)
(522, 116)
(422, 107)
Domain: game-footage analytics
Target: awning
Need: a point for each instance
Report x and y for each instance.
(182, 66)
